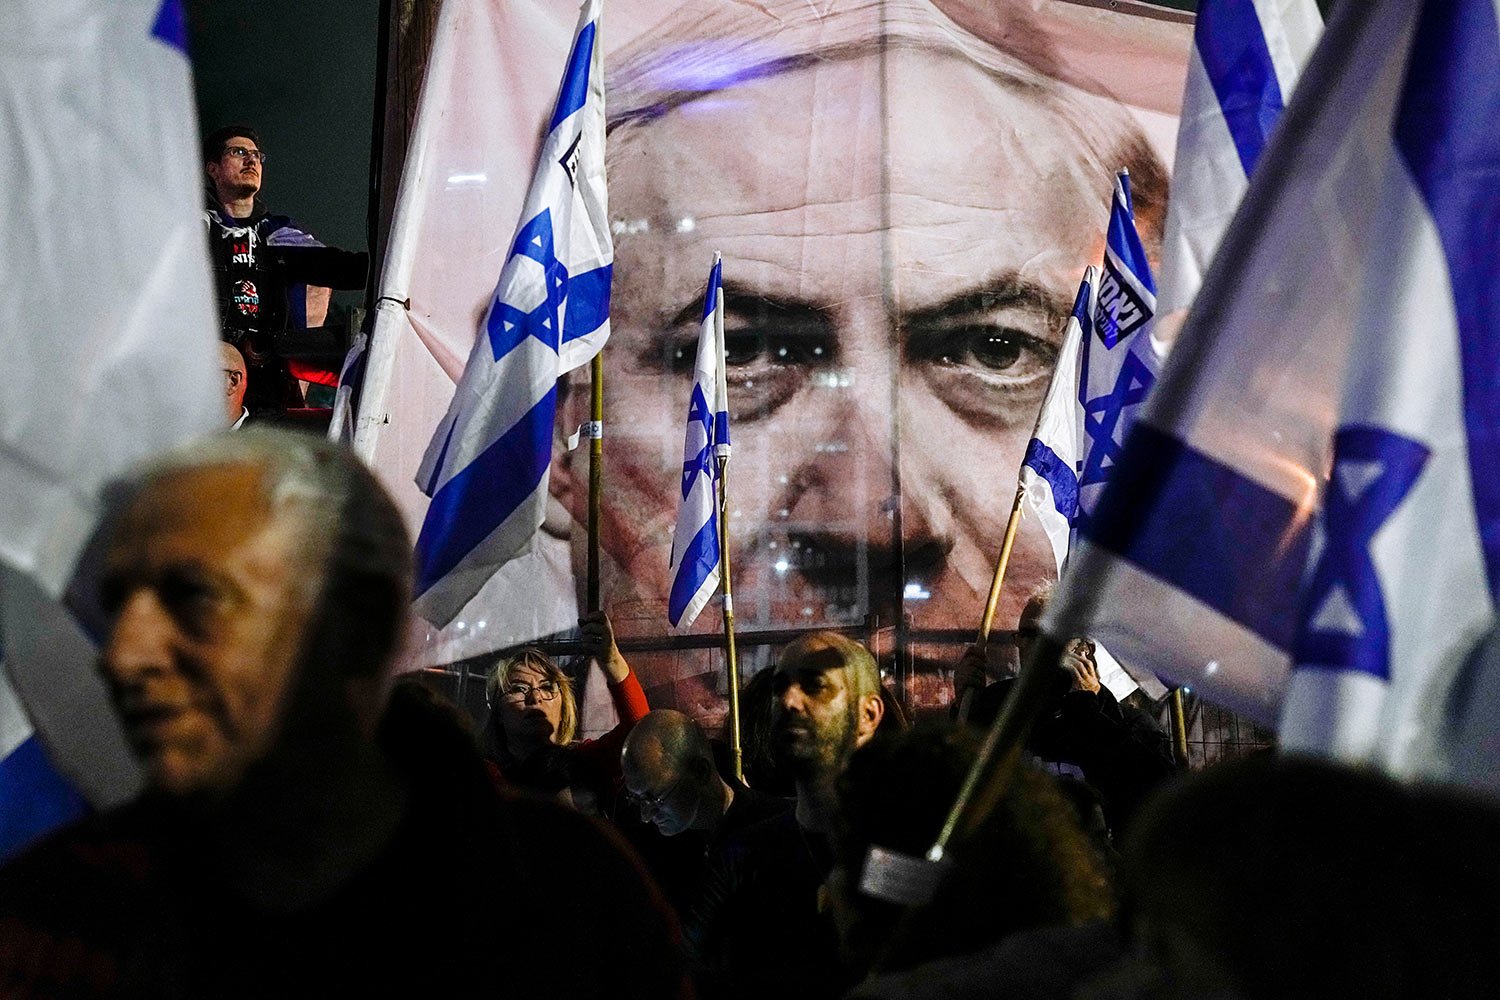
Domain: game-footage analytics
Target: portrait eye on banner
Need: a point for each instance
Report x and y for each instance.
(906, 195)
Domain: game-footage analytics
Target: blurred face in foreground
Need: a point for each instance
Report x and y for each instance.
(893, 315)
(207, 600)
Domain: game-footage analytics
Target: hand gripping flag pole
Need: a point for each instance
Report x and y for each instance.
(1048, 475)
(700, 545)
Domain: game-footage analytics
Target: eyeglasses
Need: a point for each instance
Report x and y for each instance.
(520, 691)
(651, 803)
(241, 153)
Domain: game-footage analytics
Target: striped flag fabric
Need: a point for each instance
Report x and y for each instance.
(108, 353)
(1119, 363)
(1245, 60)
(1306, 520)
(696, 559)
(1049, 472)
(485, 469)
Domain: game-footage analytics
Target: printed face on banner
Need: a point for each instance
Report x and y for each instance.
(902, 234)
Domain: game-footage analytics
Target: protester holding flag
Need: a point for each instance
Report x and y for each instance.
(530, 736)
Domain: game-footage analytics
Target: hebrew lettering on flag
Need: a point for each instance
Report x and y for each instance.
(696, 559)
(1306, 520)
(486, 466)
(1119, 360)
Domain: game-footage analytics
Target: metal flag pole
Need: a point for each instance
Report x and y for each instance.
(596, 474)
(987, 623)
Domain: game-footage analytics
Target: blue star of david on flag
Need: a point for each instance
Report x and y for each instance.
(1104, 418)
(486, 466)
(1342, 623)
(507, 325)
(696, 559)
(1119, 362)
(700, 421)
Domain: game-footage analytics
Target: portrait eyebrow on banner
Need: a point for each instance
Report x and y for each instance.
(904, 210)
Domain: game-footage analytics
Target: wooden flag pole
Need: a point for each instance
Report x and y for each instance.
(987, 623)
(731, 655)
(1179, 728)
(596, 475)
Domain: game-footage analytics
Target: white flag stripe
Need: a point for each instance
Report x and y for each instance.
(1256, 51)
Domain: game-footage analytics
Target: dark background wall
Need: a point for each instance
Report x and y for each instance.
(304, 74)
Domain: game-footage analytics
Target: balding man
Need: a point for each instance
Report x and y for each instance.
(235, 384)
(298, 834)
(673, 779)
(759, 930)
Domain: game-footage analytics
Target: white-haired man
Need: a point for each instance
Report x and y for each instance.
(300, 829)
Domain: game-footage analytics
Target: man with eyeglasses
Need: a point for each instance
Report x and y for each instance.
(674, 781)
(271, 273)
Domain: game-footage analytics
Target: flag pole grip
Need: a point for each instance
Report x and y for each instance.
(730, 653)
(596, 477)
(991, 771)
(987, 623)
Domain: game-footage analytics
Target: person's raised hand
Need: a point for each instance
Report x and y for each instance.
(969, 673)
(599, 638)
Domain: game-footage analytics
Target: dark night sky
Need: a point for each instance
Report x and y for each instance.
(304, 74)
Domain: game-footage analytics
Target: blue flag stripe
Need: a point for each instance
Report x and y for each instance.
(1063, 480)
(1446, 130)
(588, 302)
(1206, 529)
(711, 296)
(700, 559)
(575, 85)
(480, 497)
(37, 799)
(171, 26)
(1232, 45)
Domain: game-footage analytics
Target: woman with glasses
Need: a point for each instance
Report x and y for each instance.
(530, 735)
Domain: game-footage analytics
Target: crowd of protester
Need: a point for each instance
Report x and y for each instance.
(311, 826)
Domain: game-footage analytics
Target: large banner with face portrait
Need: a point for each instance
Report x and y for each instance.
(905, 194)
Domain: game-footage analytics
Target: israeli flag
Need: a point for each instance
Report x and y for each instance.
(1306, 521)
(486, 467)
(1245, 60)
(1049, 472)
(1119, 361)
(696, 561)
(108, 354)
